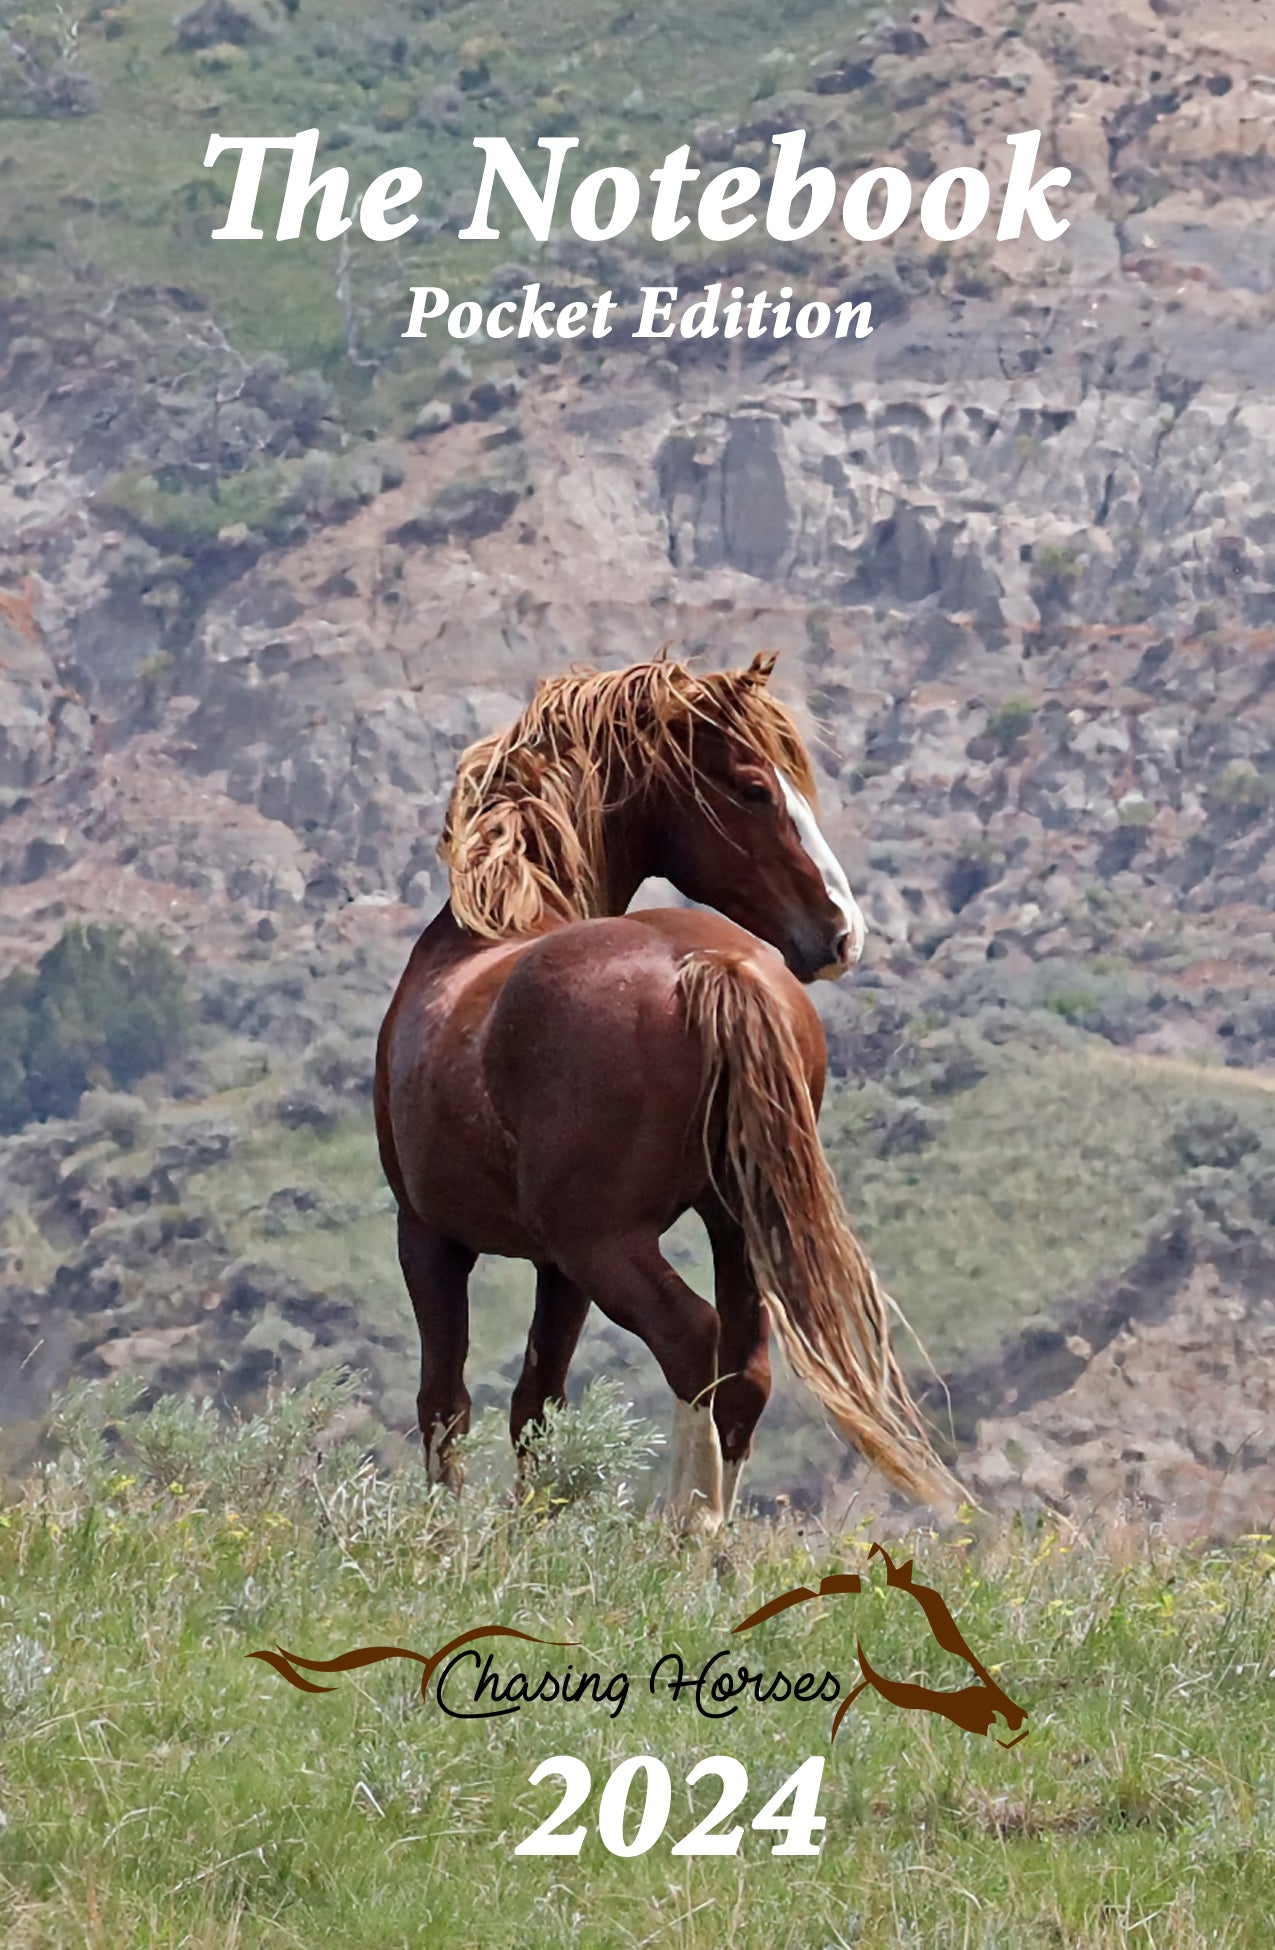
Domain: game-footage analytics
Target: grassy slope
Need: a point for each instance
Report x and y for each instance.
(160, 1789)
(121, 195)
(1042, 1181)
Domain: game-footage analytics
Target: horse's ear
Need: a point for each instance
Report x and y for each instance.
(763, 663)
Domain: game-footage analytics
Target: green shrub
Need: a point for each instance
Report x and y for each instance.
(39, 74)
(188, 1448)
(596, 1451)
(1012, 721)
(1244, 787)
(1056, 564)
(265, 500)
(1073, 1005)
(270, 499)
(1214, 1136)
(1056, 572)
(101, 1008)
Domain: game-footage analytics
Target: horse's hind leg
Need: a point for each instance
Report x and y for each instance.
(634, 1285)
(744, 1353)
(555, 1328)
(437, 1271)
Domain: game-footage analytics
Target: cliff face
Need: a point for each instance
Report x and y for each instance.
(1030, 670)
(1015, 548)
(1044, 480)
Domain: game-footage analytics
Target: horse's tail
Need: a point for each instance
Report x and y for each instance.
(770, 1170)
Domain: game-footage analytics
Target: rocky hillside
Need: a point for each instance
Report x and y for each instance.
(1016, 549)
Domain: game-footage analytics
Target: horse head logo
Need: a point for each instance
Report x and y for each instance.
(973, 1707)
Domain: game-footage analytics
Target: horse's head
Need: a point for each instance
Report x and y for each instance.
(739, 833)
(610, 776)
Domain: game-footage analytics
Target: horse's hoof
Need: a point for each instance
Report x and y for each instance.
(699, 1521)
(447, 1474)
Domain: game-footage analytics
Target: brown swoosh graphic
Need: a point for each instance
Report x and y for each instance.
(286, 1663)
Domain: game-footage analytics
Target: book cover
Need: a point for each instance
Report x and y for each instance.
(637, 1153)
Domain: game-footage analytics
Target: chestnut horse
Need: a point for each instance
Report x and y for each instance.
(558, 1080)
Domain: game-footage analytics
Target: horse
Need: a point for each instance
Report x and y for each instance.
(559, 1080)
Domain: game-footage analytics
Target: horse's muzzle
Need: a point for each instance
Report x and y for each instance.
(846, 949)
(816, 964)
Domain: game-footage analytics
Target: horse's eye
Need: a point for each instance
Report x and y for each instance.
(756, 795)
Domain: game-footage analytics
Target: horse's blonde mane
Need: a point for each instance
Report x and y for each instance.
(524, 829)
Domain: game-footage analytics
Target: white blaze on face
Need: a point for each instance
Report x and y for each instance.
(830, 868)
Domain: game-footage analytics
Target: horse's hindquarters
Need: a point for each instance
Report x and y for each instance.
(536, 1093)
(446, 1154)
(594, 1073)
(588, 1068)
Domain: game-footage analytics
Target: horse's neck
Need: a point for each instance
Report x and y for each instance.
(628, 853)
(444, 940)
(628, 858)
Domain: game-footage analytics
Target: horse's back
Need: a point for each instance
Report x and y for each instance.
(598, 1078)
(585, 996)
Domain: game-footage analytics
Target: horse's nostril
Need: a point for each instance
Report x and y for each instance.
(846, 949)
(850, 946)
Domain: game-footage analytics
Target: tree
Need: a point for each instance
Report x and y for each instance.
(101, 1007)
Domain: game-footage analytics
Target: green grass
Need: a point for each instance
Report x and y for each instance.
(161, 1789)
(121, 195)
(1042, 1181)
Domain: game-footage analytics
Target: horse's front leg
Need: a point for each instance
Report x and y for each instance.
(634, 1285)
(437, 1271)
(560, 1314)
